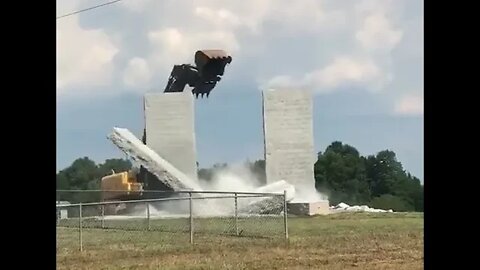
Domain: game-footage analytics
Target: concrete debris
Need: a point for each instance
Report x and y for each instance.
(278, 187)
(343, 207)
(270, 205)
(267, 205)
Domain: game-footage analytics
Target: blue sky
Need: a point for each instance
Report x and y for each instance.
(362, 59)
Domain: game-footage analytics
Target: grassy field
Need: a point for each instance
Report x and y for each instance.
(340, 241)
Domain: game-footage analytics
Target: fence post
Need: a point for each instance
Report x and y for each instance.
(58, 209)
(191, 217)
(285, 225)
(148, 216)
(236, 214)
(103, 216)
(80, 239)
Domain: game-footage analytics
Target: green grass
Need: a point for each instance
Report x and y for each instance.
(340, 241)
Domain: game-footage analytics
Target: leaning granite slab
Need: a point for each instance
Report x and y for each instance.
(143, 155)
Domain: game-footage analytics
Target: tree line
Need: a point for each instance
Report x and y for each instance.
(340, 172)
(85, 174)
(376, 180)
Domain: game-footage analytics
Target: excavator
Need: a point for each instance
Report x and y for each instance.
(202, 77)
(207, 72)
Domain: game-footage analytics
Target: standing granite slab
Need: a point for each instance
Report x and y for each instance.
(170, 131)
(288, 133)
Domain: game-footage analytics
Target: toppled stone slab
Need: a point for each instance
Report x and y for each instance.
(143, 155)
(309, 208)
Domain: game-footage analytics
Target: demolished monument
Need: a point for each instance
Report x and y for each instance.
(142, 155)
(170, 153)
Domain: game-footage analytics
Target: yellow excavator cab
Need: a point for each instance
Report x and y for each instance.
(120, 185)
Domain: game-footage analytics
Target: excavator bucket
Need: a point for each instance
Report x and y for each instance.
(211, 63)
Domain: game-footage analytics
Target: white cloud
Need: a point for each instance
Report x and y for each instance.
(342, 71)
(365, 63)
(344, 43)
(306, 15)
(296, 16)
(219, 17)
(284, 82)
(66, 6)
(377, 33)
(84, 57)
(409, 105)
(173, 46)
(136, 5)
(137, 73)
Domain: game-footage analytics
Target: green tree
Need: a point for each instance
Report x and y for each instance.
(205, 174)
(208, 173)
(114, 165)
(62, 181)
(377, 180)
(77, 175)
(389, 201)
(84, 174)
(384, 172)
(387, 176)
(340, 172)
(258, 169)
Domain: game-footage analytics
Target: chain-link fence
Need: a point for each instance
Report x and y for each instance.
(176, 218)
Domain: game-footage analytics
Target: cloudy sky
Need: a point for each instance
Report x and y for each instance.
(363, 59)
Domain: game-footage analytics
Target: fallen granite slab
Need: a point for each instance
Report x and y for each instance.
(143, 155)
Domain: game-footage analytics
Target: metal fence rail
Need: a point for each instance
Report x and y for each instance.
(184, 218)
